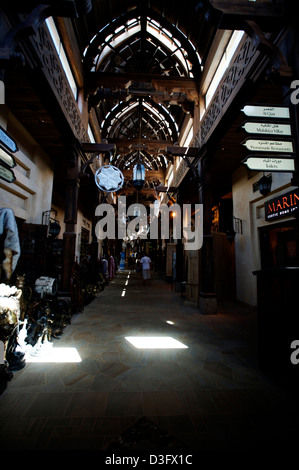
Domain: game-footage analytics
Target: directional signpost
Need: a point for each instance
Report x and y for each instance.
(258, 163)
(7, 161)
(6, 174)
(259, 145)
(278, 112)
(267, 128)
(271, 136)
(7, 141)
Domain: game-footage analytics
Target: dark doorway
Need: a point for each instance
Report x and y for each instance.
(279, 245)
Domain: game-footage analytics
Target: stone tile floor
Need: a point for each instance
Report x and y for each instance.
(209, 396)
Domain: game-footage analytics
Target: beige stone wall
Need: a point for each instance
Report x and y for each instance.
(249, 207)
(31, 193)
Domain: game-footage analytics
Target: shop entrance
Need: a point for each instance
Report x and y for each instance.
(279, 245)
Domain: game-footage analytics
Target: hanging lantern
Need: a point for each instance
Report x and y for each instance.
(109, 178)
(265, 185)
(138, 176)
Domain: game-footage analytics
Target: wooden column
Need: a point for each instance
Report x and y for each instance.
(71, 209)
(207, 294)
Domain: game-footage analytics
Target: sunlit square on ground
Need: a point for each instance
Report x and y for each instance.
(155, 342)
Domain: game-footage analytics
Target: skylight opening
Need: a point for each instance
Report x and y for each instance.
(223, 65)
(165, 37)
(132, 27)
(62, 55)
(90, 134)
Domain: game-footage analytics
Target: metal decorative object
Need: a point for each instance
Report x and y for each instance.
(109, 178)
(46, 285)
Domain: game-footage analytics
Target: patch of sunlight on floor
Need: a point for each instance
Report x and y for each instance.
(54, 355)
(155, 342)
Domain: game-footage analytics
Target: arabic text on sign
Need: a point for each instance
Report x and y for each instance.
(269, 146)
(266, 111)
(270, 164)
(267, 128)
(6, 174)
(6, 158)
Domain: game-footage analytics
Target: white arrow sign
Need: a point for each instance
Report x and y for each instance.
(6, 158)
(269, 128)
(259, 145)
(270, 163)
(266, 111)
(7, 141)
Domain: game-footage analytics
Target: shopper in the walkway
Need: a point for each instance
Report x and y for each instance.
(145, 263)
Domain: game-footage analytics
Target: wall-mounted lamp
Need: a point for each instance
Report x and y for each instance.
(236, 227)
(264, 184)
(53, 224)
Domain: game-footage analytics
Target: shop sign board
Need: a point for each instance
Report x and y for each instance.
(7, 159)
(282, 206)
(266, 111)
(6, 174)
(269, 128)
(7, 141)
(270, 163)
(259, 145)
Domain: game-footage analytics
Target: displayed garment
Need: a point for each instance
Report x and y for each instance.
(111, 268)
(10, 244)
(104, 267)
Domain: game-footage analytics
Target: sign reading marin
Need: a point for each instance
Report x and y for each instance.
(282, 206)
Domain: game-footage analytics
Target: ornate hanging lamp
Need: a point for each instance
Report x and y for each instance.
(138, 176)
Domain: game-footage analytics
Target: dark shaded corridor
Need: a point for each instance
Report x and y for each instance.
(209, 395)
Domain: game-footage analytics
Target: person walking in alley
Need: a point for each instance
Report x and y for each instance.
(145, 263)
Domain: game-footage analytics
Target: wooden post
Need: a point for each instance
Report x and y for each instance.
(71, 209)
(207, 295)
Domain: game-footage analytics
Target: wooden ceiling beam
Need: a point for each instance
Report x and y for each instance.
(122, 81)
(97, 147)
(150, 175)
(250, 9)
(183, 151)
(143, 143)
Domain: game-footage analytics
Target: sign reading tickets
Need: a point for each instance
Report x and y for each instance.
(282, 206)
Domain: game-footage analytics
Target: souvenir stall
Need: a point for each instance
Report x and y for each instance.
(10, 358)
(31, 312)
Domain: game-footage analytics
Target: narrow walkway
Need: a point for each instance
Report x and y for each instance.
(209, 395)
